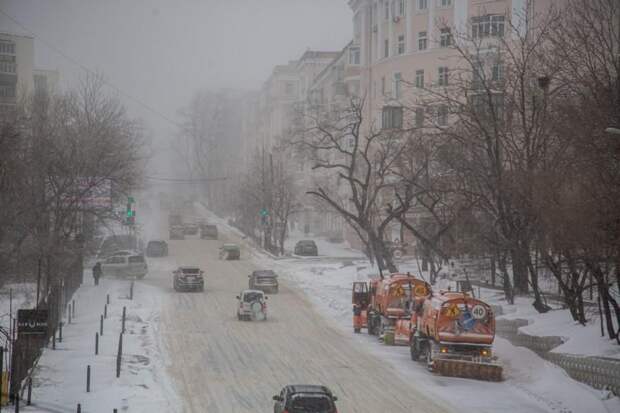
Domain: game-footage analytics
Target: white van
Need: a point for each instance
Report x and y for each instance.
(126, 266)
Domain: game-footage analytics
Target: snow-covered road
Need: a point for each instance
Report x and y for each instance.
(222, 365)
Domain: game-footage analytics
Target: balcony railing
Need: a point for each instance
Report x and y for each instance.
(8, 67)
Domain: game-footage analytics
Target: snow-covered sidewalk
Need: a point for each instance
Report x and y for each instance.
(59, 383)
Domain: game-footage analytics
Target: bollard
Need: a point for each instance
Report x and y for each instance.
(29, 400)
(79, 409)
(54, 341)
(105, 311)
(119, 355)
(124, 313)
(88, 379)
(96, 344)
(115, 411)
(60, 332)
(101, 325)
(69, 314)
(107, 299)
(131, 291)
(73, 308)
(16, 401)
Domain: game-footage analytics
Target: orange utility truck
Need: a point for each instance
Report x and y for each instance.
(384, 306)
(453, 334)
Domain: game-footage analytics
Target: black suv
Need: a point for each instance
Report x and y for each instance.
(305, 398)
(306, 247)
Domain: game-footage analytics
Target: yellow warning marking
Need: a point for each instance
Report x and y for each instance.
(453, 311)
(399, 291)
(420, 291)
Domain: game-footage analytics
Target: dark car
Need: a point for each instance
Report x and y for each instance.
(230, 252)
(264, 280)
(188, 278)
(305, 398)
(190, 228)
(306, 247)
(157, 248)
(208, 232)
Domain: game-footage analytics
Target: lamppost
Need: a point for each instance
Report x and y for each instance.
(613, 131)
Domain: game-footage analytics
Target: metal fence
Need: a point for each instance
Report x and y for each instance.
(598, 372)
(27, 348)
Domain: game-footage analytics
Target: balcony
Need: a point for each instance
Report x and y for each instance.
(8, 67)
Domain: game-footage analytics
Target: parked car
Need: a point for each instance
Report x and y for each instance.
(264, 280)
(188, 278)
(208, 232)
(190, 228)
(252, 305)
(113, 243)
(157, 248)
(306, 247)
(230, 252)
(177, 232)
(303, 398)
(175, 220)
(125, 266)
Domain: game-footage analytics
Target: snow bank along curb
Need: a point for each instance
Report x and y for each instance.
(598, 372)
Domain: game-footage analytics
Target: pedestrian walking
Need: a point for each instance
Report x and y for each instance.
(97, 272)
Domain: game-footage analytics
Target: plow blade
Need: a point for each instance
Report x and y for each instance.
(468, 369)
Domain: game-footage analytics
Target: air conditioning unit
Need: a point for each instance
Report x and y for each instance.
(396, 19)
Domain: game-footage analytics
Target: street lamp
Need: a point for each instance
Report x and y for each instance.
(613, 131)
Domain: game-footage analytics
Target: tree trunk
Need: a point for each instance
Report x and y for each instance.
(508, 290)
(519, 271)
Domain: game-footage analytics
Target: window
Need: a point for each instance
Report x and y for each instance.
(289, 89)
(488, 108)
(445, 39)
(443, 76)
(419, 117)
(442, 115)
(354, 56)
(401, 44)
(386, 4)
(419, 78)
(422, 42)
(392, 117)
(7, 67)
(445, 3)
(7, 47)
(397, 85)
(401, 7)
(497, 72)
(383, 85)
(477, 75)
(489, 25)
(422, 4)
(386, 48)
(7, 91)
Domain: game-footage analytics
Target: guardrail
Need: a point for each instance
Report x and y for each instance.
(598, 372)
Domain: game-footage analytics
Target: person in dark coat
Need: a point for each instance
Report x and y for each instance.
(97, 272)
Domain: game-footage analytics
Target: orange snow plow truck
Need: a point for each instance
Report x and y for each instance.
(384, 306)
(453, 334)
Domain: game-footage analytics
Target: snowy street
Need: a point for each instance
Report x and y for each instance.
(220, 364)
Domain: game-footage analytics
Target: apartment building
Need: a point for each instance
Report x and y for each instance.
(18, 76)
(408, 42)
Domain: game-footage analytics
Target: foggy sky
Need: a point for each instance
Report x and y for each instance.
(161, 51)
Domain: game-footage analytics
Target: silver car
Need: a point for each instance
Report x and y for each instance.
(252, 305)
(125, 266)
